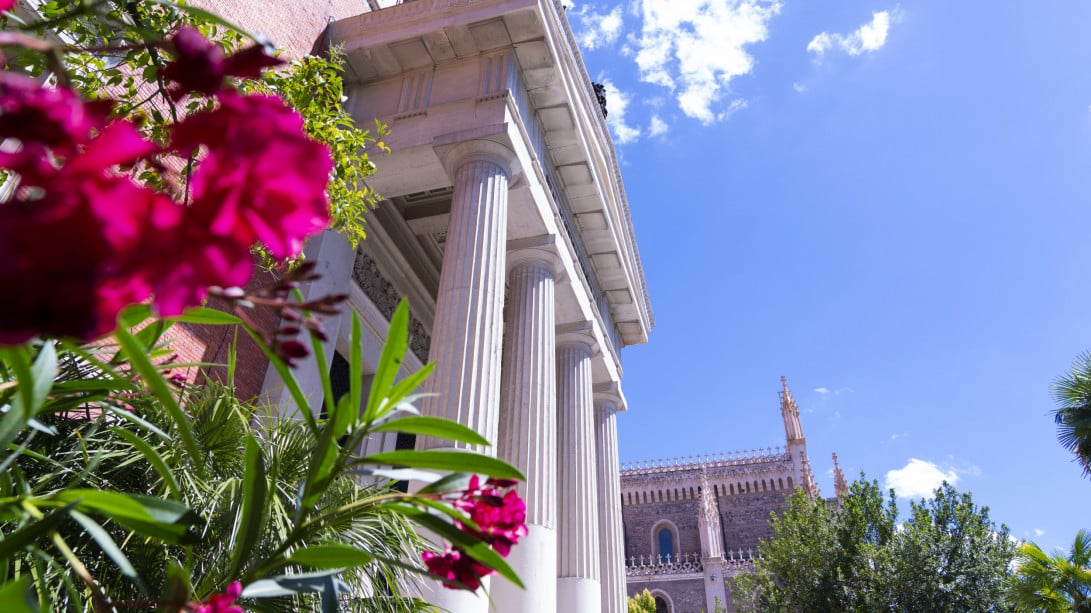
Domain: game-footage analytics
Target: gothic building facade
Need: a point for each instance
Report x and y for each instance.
(692, 524)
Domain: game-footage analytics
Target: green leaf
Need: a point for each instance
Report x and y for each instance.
(290, 585)
(26, 535)
(252, 514)
(451, 483)
(433, 426)
(333, 555)
(168, 520)
(204, 315)
(401, 391)
(110, 548)
(133, 315)
(478, 550)
(356, 365)
(154, 379)
(390, 362)
(17, 597)
(443, 459)
(153, 457)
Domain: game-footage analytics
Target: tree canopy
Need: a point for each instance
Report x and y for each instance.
(947, 556)
(1058, 582)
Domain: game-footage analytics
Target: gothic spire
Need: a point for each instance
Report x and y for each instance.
(793, 429)
(809, 484)
(840, 486)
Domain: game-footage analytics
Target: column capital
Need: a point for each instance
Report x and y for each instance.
(577, 334)
(536, 249)
(455, 155)
(608, 397)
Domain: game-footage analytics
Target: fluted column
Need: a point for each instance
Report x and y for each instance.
(611, 540)
(578, 562)
(468, 327)
(528, 427)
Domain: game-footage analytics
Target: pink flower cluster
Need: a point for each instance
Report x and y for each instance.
(80, 239)
(501, 519)
(221, 603)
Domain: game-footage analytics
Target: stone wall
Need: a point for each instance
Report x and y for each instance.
(745, 519)
(640, 519)
(688, 595)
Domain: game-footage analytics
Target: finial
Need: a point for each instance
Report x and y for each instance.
(840, 486)
(789, 411)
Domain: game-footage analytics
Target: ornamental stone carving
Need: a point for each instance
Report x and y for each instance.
(382, 293)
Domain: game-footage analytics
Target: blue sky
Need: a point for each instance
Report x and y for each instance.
(889, 204)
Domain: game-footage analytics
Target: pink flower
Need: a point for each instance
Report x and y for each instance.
(501, 521)
(455, 566)
(262, 179)
(223, 603)
(67, 238)
(53, 117)
(5, 5)
(200, 66)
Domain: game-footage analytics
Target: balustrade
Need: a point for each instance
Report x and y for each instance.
(687, 563)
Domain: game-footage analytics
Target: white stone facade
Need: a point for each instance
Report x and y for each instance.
(507, 227)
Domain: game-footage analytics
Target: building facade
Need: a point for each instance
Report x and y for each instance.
(692, 524)
(506, 225)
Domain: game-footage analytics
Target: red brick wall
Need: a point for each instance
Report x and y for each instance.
(293, 25)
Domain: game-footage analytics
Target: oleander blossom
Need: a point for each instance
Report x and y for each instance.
(80, 240)
(200, 65)
(262, 179)
(500, 517)
(222, 603)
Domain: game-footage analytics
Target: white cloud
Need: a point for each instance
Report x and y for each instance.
(867, 38)
(696, 47)
(822, 390)
(1038, 532)
(898, 435)
(617, 102)
(597, 29)
(918, 478)
(657, 127)
(799, 87)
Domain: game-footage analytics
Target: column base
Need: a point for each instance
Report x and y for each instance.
(579, 595)
(535, 561)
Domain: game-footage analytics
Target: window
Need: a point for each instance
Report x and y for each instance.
(666, 542)
(661, 605)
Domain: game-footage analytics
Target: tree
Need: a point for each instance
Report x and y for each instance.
(948, 556)
(1072, 391)
(1054, 583)
(642, 603)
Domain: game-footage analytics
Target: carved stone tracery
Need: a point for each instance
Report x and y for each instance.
(385, 296)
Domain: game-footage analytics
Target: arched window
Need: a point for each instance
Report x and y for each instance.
(661, 605)
(732, 486)
(781, 480)
(666, 542)
(790, 483)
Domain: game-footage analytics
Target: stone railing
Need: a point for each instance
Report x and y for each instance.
(684, 564)
(708, 460)
(687, 563)
(740, 560)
